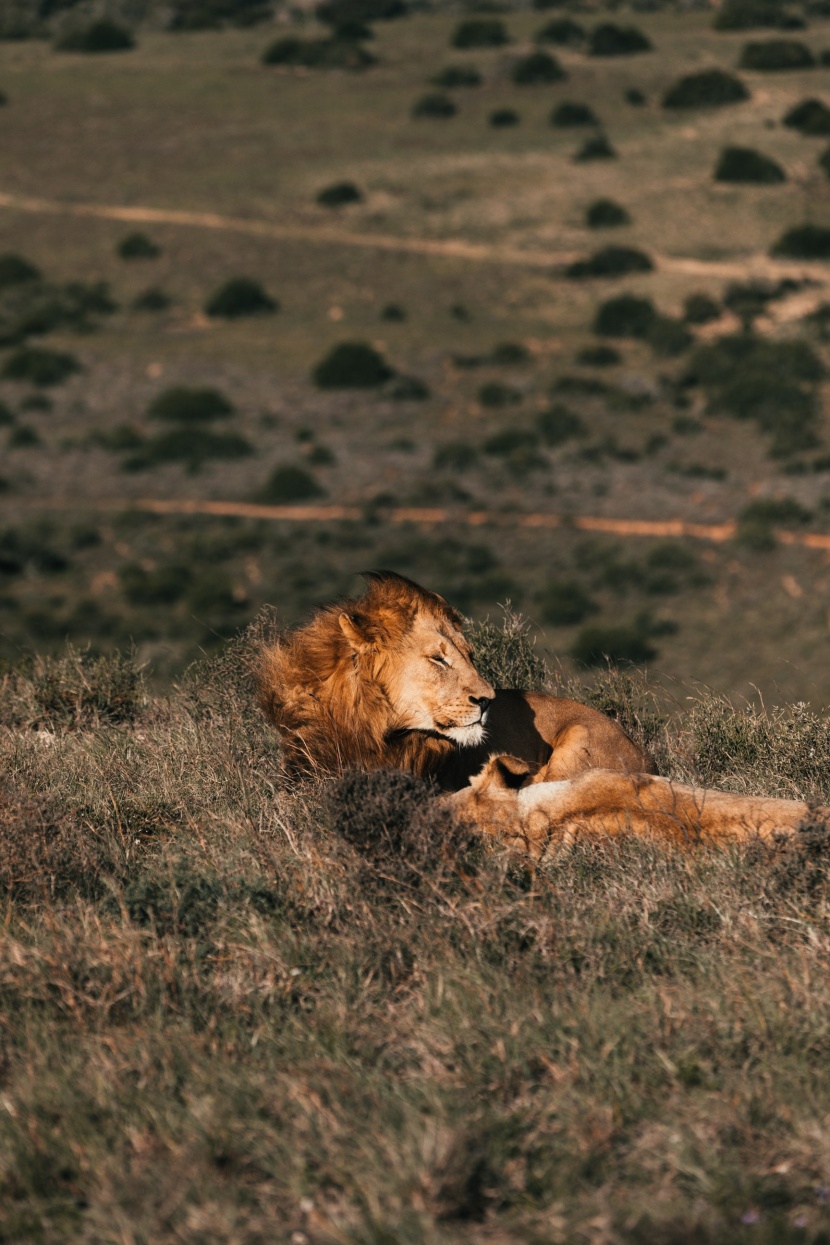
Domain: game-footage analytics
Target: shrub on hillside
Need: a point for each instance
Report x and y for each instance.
(615, 645)
(744, 165)
(318, 54)
(434, 105)
(634, 96)
(810, 117)
(606, 214)
(537, 69)
(215, 14)
(455, 456)
(755, 14)
(565, 602)
(352, 365)
(571, 113)
(152, 299)
(708, 88)
(701, 309)
(598, 356)
(503, 118)
(39, 366)
(611, 261)
(559, 424)
(15, 270)
(627, 315)
(338, 12)
(824, 162)
(669, 337)
(138, 246)
(456, 76)
(191, 446)
(757, 521)
(803, 242)
(339, 194)
(563, 31)
(496, 394)
(776, 54)
(100, 36)
(182, 405)
(608, 39)
(408, 389)
(287, 484)
(480, 32)
(596, 148)
(510, 354)
(506, 654)
(241, 296)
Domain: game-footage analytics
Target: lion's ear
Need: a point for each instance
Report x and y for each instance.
(353, 628)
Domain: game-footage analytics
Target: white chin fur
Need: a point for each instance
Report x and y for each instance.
(466, 736)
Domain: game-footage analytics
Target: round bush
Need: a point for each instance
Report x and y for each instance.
(669, 337)
(409, 389)
(241, 296)
(810, 117)
(455, 456)
(701, 309)
(15, 270)
(625, 316)
(570, 113)
(434, 105)
(496, 394)
(745, 165)
(394, 313)
(606, 214)
(608, 39)
(480, 32)
(772, 55)
(563, 31)
(152, 299)
(338, 12)
(352, 365)
(339, 195)
(564, 602)
(709, 88)
(40, 366)
(289, 483)
(596, 148)
(191, 446)
(611, 261)
(502, 118)
(619, 646)
(318, 53)
(803, 242)
(456, 76)
(752, 14)
(100, 36)
(559, 424)
(537, 69)
(181, 405)
(598, 356)
(635, 97)
(137, 246)
(4, 99)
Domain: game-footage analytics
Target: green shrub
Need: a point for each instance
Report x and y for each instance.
(162, 586)
(39, 366)
(455, 456)
(502, 118)
(289, 483)
(506, 440)
(669, 337)
(634, 96)
(352, 365)
(37, 402)
(408, 389)
(506, 655)
(241, 296)
(510, 354)
(496, 394)
(745, 165)
(571, 113)
(564, 603)
(754, 14)
(776, 54)
(606, 214)
(608, 39)
(434, 105)
(803, 242)
(615, 645)
(7, 417)
(611, 261)
(708, 88)
(215, 14)
(810, 117)
(181, 405)
(626, 315)
(138, 246)
(701, 309)
(339, 194)
(23, 437)
(99, 36)
(537, 69)
(757, 521)
(456, 76)
(559, 424)
(749, 299)
(15, 270)
(152, 299)
(35, 307)
(563, 31)
(480, 32)
(393, 313)
(339, 12)
(318, 54)
(596, 148)
(191, 446)
(598, 356)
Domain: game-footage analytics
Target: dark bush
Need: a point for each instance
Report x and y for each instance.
(745, 165)
(393, 313)
(757, 521)
(708, 88)
(318, 53)
(634, 96)
(434, 105)
(701, 309)
(352, 365)
(824, 162)
(35, 307)
(4, 99)
(339, 194)
(564, 603)
(496, 394)
(456, 76)
(598, 356)
(754, 14)
(749, 299)
(803, 242)
(501, 118)
(510, 354)
(617, 645)
(559, 424)
(563, 31)
(191, 446)
(408, 389)
(506, 440)
(455, 456)
(181, 405)
(215, 14)
(810, 117)
(776, 54)
(608, 39)
(138, 246)
(339, 12)
(606, 214)
(7, 417)
(289, 483)
(152, 299)
(669, 337)
(100, 36)
(15, 270)
(39, 366)
(596, 148)
(537, 69)
(570, 113)
(23, 438)
(480, 32)
(627, 315)
(611, 261)
(161, 586)
(241, 296)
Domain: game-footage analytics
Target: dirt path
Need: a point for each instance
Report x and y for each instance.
(450, 248)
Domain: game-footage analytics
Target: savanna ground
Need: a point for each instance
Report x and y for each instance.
(234, 1010)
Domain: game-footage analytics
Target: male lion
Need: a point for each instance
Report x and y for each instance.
(387, 682)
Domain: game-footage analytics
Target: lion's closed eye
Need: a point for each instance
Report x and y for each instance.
(440, 660)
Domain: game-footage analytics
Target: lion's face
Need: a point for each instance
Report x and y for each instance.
(429, 679)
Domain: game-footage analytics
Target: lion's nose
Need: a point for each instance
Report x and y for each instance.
(483, 702)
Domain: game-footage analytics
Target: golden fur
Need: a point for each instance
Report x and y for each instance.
(387, 682)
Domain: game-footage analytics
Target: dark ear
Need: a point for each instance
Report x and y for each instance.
(506, 773)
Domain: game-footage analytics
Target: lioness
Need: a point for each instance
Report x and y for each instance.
(387, 682)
